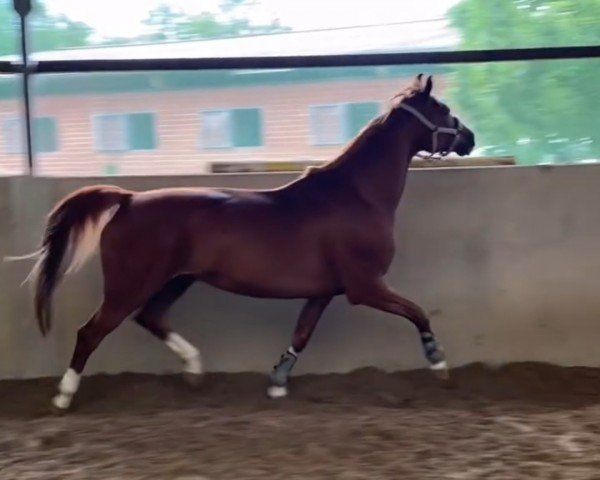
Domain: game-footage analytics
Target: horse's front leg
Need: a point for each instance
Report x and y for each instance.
(309, 317)
(373, 292)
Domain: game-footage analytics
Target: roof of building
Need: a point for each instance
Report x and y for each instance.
(435, 34)
(397, 37)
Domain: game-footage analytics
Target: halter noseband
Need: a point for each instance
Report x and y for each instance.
(435, 130)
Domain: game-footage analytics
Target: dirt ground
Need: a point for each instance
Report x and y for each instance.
(518, 422)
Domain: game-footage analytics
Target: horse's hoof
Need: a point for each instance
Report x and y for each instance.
(440, 370)
(60, 405)
(192, 379)
(58, 412)
(449, 383)
(275, 391)
(443, 375)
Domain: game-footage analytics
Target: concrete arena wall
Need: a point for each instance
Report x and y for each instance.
(506, 260)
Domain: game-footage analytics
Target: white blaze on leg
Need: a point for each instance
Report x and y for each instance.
(66, 389)
(186, 351)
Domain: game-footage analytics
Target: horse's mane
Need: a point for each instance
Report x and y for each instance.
(367, 132)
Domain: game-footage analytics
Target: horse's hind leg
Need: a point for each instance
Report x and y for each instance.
(125, 290)
(108, 317)
(152, 318)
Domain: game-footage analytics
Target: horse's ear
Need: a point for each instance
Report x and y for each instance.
(428, 86)
(417, 82)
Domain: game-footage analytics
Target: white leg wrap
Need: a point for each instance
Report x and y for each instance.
(277, 392)
(187, 352)
(439, 366)
(67, 387)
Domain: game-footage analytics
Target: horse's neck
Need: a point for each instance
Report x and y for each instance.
(373, 171)
(379, 168)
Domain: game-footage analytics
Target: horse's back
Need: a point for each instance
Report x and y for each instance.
(193, 196)
(240, 240)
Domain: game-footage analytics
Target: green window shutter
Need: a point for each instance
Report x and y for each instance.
(111, 170)
(45, 135)
(247, 127)
(141, 131)
(358, 116)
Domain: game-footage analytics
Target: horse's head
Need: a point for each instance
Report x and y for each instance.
(442, 132)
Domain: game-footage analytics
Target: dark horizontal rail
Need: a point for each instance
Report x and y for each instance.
(10, 67)
(371, 59)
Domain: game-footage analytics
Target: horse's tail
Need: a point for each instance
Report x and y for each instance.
(71, 236)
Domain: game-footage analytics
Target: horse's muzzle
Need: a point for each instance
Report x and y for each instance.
(464, 141)
(464, 145)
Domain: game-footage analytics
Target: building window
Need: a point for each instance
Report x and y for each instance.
(240, 127)
(125, 132)
(216, 129)
(13, 137)
(44, 135)
(336, 124)
(326, 124)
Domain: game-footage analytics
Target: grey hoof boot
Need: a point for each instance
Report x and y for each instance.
(434, 353)
(278, 378)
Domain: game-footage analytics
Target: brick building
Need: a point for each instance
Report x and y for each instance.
(154, 123)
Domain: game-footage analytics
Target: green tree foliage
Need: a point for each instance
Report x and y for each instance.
(539, 110)
(229, 21)
(47, 32)
(55, 32)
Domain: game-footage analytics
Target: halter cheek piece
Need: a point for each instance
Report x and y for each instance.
(435, 130)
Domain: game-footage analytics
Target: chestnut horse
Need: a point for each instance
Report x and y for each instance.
(328, 233)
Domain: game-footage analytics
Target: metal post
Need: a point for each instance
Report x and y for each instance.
(23, 7)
